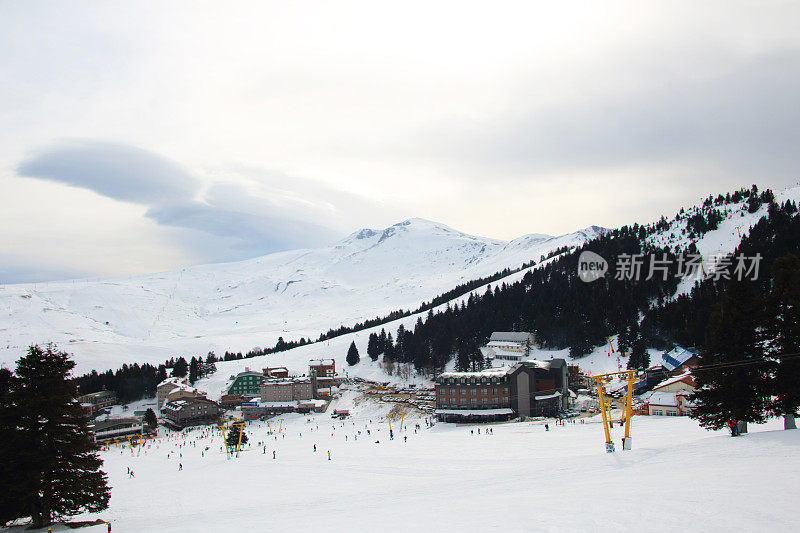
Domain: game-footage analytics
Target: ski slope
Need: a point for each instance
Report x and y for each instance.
(677, 477)
(238, 306)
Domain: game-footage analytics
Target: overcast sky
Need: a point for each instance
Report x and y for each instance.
(145, 136)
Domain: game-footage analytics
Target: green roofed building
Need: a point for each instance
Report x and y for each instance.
(247, 383)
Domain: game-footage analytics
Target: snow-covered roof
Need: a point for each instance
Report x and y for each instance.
(548, 396)
(273, 404)
(510, 336)
(474, 412)
(667, 399)
(173, 381)
(676, 357)
(686, 377)
(486, 373)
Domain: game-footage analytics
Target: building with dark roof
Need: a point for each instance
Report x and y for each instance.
(190, 412)
(529, 388)
(115, 428)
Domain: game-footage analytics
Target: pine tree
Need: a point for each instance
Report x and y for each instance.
(373, 350)
(150, 418)
(194, 370)
(467, 357)
(233, 437)
(181, 368)
(13, 503)
(639, 358)
(739, 389)
(59, 475)
(352, 354)
(781, 335)
(161, 374)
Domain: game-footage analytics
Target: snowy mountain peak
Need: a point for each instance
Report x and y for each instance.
(240, 305)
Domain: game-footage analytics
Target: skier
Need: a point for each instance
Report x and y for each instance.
(273, 454)
(546, 427)
(180, 466)
(315, 448)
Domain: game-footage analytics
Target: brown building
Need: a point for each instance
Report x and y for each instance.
(165, 387)
(529, 388)
(229, 401)
(276, 372)
(190, 412)
(322, 368)
(95, 401)
(287, 390)
(323, 372)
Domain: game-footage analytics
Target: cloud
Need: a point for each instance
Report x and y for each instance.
(242, 225)
(117, 171)
(742, 121)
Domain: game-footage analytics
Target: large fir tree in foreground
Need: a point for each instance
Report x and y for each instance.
(56, 470)
(734, 383)
(781, 338)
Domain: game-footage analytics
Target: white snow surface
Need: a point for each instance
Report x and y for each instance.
(238, 306)
(449, 478)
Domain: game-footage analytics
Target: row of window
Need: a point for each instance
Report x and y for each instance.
(474, 392)
(660, 412)
(472, 381)
(473, 401)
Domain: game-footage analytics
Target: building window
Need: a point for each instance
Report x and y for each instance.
(484, 392)
(474, 401)
(452, 391)
(463, 401)
(474, 392)
(658, 412)
(463, 391)
(672, 413)
(452, 400)
(484, 401)
(505, 390)
(494, 392)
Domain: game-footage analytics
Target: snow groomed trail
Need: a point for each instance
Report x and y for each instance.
(448, 477)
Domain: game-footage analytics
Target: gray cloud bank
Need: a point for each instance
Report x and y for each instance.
(742, 122)
(236, 224)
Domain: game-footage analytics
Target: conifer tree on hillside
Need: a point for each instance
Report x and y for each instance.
(469, 356)
(352, 354)
(638, 358)
(194, 370)
(734, 384)
(781, 335)
(58, 472)
(161, 374)
(181, 368)
(373, 350)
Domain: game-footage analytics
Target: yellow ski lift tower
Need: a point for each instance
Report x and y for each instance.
(228, 425)
(605, 408)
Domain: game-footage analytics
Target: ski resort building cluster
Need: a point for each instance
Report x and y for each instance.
(528, 388)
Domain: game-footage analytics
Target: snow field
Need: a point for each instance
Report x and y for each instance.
(520, 478)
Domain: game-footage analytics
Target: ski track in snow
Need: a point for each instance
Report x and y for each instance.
(521, 478)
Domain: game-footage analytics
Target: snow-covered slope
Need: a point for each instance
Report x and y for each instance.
(412, 482)
(237, 306)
